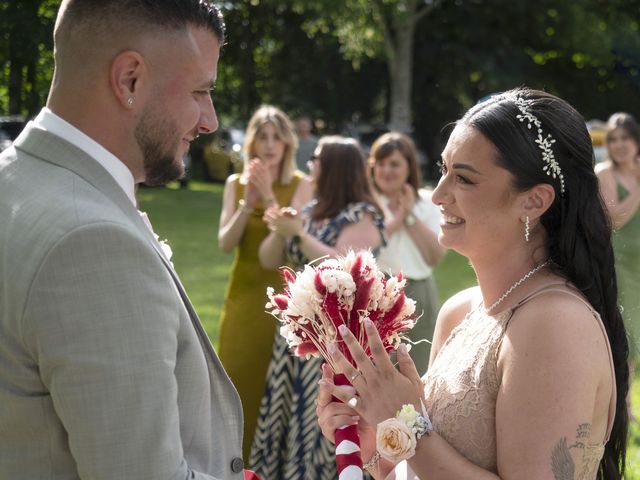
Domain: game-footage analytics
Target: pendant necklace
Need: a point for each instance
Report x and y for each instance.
(526, 277)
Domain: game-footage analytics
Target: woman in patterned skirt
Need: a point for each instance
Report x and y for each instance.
(344, 215)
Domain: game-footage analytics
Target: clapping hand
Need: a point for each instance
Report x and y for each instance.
(259, 185)
(283, 221)
(407, 199)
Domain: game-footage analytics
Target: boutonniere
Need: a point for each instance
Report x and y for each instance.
(165, 247)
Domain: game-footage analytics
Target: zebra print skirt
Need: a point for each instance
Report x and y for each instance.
(288, 443)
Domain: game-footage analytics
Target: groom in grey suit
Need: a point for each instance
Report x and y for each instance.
(105, 369)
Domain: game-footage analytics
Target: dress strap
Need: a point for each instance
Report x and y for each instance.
(567, 288)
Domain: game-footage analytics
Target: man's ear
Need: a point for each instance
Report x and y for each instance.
(537, 200)
(127, 76)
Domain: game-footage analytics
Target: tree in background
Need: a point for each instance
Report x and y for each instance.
(333, 58)
(26, 57)
(375, 29)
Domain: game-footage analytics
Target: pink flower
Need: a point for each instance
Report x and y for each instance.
(340, 291)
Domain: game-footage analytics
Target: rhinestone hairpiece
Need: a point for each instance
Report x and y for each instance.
(552, 167)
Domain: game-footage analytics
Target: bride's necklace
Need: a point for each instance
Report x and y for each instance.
(526, 277)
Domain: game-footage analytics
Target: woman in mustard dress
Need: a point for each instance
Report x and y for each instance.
(619, 177)
(269, 178)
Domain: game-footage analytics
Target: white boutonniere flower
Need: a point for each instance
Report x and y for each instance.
(166, 249)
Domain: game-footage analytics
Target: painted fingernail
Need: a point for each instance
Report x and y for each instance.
(322, 382)
(368, 323)
(343, 330)
(402, 349)
(355, 418)
(332, 348)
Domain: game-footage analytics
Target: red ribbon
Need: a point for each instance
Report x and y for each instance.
(349, 433)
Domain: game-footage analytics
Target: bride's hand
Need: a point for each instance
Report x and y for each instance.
(381, 390)
(333, 415)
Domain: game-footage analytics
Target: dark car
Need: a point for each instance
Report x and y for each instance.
(5, 140)
(10, 128)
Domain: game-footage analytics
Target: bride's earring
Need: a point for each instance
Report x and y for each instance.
(527, 232)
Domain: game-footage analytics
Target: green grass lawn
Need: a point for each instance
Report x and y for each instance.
(188, 220)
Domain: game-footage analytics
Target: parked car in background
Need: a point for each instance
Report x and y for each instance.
(5, 140)
(10, 128)
(597, 131)
(222, 153)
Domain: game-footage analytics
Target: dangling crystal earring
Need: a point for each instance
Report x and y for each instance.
(526, 228)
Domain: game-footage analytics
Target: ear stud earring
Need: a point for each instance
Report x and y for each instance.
(130, 101)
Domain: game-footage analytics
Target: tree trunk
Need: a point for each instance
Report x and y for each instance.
(401, 76)
(15, 79)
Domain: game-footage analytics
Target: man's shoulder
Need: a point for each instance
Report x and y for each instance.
(42, 202)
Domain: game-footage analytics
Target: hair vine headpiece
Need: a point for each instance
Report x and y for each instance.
(552, 167)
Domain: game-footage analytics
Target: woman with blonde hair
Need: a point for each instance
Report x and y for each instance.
(269, 178)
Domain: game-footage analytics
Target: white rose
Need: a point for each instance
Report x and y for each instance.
(395, 441)
(407, 414)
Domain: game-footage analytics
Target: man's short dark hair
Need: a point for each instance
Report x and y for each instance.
(142, 14)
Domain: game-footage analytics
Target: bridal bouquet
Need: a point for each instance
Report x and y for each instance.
(341, 291)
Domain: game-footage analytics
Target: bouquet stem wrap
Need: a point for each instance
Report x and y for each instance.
(348, 459)
(341, 291)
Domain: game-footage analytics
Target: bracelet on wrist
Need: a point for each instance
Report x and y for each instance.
(410, 219)
(243, 207)
(397, 437)
(373, 461)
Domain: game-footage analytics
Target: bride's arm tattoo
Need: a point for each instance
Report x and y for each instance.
(562, 464)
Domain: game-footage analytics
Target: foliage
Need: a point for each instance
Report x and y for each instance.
(329, 58)
(271, 59)
(26, 58)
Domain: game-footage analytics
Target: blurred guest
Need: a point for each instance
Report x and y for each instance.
(619, 177)
(412, 222)
(344, 215)
(269, 178)
(307, 142)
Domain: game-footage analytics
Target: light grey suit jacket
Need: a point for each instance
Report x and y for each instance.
(105, 369)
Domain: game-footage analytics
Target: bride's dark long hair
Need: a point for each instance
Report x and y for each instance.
(577, 224)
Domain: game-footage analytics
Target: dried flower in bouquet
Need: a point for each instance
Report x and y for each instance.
(344, 290)
(341, 291)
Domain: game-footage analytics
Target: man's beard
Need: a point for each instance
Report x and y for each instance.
(160, 164)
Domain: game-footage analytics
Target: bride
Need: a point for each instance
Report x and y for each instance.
(528, 371)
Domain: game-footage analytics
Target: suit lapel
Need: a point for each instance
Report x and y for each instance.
(53, 149)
